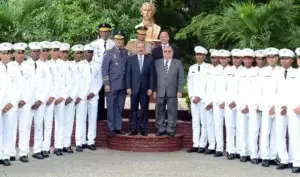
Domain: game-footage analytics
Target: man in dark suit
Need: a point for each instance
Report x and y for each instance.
(139, 83)
(169, 82)
(157, 52)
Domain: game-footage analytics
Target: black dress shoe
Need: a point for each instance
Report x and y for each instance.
(160, 133)
(282, 166)
(1, 162)
(218, 154)
(209, 151)
(274, 162)
(237, 156)
(291, 165)
(265, 163)
(6, 162)
(58, 152)
(144, 133)
(296, 170)
(79, 148)
(201, 150)
(120, 132)
(132, 133)
(231, 156)
(38, 155)
(45, 154)
(24, 159)
(171, 133)
(12, 158)
(254, 161)
(68, 150)
(191, 150)
(84, 146)
(244, 159)
(92, 147)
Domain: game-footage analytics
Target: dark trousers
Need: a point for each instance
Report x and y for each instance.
(160, 113)
(143, 100)
(101, 104)
(115, 101)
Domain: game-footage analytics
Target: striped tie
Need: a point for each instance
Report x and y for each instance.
(166, 68)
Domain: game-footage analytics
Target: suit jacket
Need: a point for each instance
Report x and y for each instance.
(136, 80)
(158, 54)
(172, 83)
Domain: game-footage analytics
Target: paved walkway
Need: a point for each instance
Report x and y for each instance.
(110, 163)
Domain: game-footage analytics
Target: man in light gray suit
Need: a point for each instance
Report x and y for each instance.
(169, 82)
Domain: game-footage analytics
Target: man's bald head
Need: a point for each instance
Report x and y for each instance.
(164, 37)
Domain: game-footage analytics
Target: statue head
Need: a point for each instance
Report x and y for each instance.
(148, 10)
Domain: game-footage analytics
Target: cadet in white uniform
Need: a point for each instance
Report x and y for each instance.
(247, 105)
(92, 97)
(25, 102)
(39, 55)
(62, 85)
(196, 82)
(268, 150)
(10, 102)
(3, 91)
(231, 123)
(70, 101)
(287, 82)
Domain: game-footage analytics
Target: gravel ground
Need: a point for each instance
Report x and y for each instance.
(110, 163)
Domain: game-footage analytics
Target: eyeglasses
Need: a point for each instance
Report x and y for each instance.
(167, 51)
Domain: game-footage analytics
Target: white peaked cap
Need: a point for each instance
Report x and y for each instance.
(55, 45)
(214, 52)
(45, 45)
(64, 47)
(20, 46)
(200, 49)
(77, 48)
(224, 53)
(271, 51)
(6, 46)
(248, 52)
(260, 53)
(297, 51)
(236, 52)
(34, 46)
(88, 47)
(286, 53)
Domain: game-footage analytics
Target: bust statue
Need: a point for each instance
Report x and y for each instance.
(148, 10)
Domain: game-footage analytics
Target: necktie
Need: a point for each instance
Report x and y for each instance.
(166, 68)
(285, 74)
(35, 66)
(105, 45)
(6, 67)
(141, 63)
(198, 68)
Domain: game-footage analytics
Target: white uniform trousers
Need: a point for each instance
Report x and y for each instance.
(9, 121)
(92, 111)
(59, 115)
(14, 134)
(48, 123)
(218, 114)
(38, 128)
(69, 123)
(81, 115)
(25, 122)
(295, 138)
(282, 122)
(230, 124)
(268, 150)
(238, 132)
(202, 122)
(247, 135)
(1, 135)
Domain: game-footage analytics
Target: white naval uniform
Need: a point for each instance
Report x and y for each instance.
(287, 95)
(217, 91)
(14, 91)
(201, 119)
(84, 81)
(24, 119)
(99, 49)
(268, 79)
(64, 83)
(248, 95)
(3, 91)
(92, 105)
(230, 114)
(70, 108)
